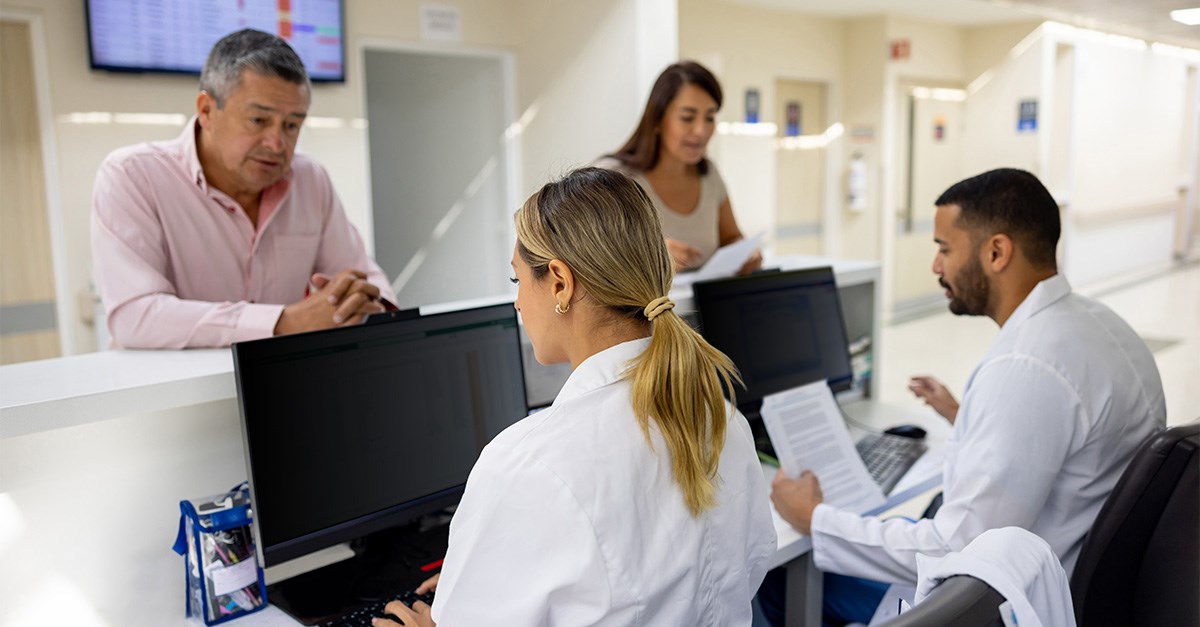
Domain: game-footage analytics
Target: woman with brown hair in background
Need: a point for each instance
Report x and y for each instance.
(666, 156)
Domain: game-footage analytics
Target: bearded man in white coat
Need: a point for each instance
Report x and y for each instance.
(1049, 418)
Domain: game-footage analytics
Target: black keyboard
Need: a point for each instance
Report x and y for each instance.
(361, 616)
(888, 457)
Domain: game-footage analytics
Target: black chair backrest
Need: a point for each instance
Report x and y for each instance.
(1140, 563)
(963, 601)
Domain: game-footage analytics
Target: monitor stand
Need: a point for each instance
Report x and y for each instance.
(385, 564)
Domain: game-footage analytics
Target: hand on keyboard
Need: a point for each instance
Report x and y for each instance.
(410, 609)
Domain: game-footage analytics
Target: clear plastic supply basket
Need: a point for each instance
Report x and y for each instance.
(224, 580)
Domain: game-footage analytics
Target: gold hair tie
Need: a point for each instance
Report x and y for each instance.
(658, 306)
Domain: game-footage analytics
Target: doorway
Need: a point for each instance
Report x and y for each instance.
(442, 180)
(28, 303)
(930, 159)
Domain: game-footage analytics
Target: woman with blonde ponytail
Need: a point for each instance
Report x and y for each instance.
(637, 497)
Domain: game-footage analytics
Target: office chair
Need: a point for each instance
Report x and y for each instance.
(963, 601)
(1140, 563)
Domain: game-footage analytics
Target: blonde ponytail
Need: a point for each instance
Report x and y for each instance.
(677, 382)
(604, 227)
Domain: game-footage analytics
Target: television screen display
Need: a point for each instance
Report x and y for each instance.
(175, 35)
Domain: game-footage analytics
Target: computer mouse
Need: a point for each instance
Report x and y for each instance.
(907, 431)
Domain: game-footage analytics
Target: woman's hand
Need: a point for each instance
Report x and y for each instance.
(417, 616)
(685, 256)
(429, 585)
(752, 264)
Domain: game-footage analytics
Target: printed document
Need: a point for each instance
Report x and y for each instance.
(807, 432)
(726, 261)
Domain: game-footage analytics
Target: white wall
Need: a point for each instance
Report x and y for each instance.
(1125, 102)
(584, 68)
(578, 76)
(992, 101)
(584, 78)
(1110, 144)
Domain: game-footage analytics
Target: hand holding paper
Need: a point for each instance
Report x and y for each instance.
(807, 432)
(795, 499)
(725, 262)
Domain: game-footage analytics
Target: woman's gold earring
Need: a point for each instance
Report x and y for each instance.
(558, 308)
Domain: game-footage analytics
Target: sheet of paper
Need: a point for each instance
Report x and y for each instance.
(807, 432)
(226, 579)
(726, 261)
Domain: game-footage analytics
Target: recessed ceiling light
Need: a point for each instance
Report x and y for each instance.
(1191, 17)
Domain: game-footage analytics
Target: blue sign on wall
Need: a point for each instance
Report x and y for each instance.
(1027, 116)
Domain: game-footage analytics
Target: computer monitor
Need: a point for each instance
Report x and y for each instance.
(781, 329)
(354, 430)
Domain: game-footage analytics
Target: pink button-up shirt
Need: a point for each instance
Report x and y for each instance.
(179, 263)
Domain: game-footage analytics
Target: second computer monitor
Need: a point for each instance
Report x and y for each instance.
(781, 329)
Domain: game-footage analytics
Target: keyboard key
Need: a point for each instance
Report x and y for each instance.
(887, 457)
(361, 616)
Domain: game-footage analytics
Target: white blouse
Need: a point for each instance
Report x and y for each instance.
(571, 518)
(700, 227)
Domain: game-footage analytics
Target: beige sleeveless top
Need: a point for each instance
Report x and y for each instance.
(699, 228)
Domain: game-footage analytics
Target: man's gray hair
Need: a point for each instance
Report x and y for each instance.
(249, 49)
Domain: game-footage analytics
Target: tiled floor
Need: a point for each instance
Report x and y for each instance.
(1164, 309)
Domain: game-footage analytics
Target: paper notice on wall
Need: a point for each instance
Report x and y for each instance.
(440, 22)
(807, 432)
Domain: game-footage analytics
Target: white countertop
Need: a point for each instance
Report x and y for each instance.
(55, 393)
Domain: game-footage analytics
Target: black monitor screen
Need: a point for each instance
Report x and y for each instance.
(781, 329)
(353, 430)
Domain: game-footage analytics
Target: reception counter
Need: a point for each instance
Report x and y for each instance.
(97, 450)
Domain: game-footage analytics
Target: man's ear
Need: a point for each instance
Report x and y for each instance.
(205, 104)
(562, 282)
(998, 252)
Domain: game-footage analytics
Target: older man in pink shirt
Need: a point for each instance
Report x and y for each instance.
(219, 235)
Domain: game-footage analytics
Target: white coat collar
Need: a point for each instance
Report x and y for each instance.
(1045, 293)
(601, 369)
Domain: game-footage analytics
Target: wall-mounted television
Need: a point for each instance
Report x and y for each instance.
(174, 36)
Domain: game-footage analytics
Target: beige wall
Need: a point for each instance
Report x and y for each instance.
(750, 47)
(864, 66)
(987, 46)
(582, 73)
(576, 70)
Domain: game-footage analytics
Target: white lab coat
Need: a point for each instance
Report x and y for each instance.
(570, 518)
(1018, 565)
(1049, 420)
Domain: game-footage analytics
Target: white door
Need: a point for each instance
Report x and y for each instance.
(440, 172)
